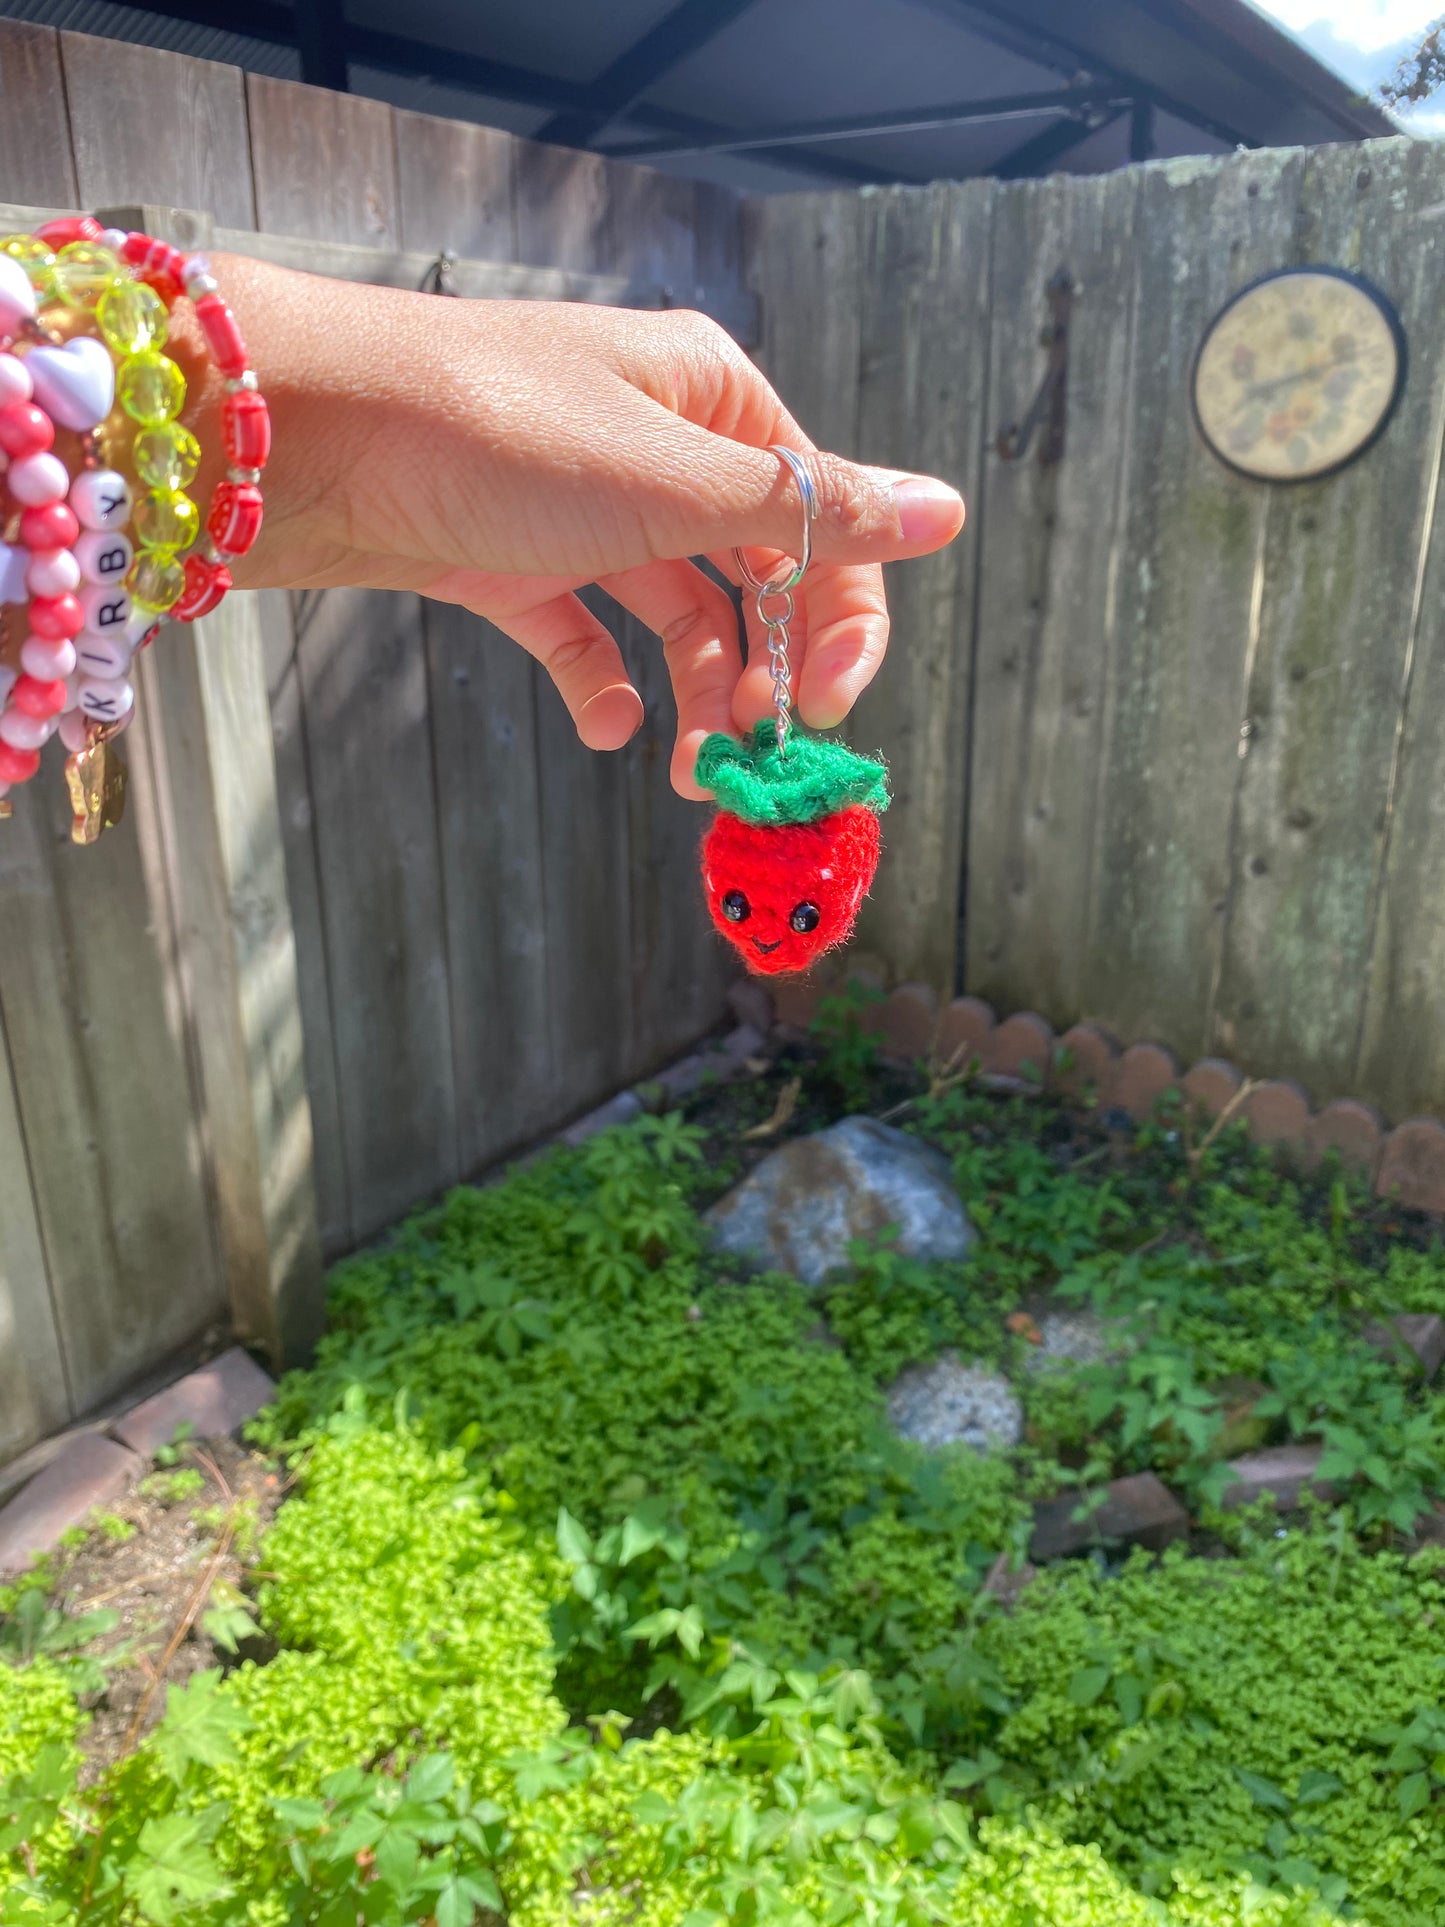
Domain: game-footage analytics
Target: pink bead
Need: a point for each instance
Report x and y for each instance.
(24, 428)
(53, 527)
(70, 227)
(57, 618)
(37, 699)
(15, 382)
(17, 765)
(38, 481)
(74, 728)
(25, 732)
(45, 660)
(223, 335)
(53, 572)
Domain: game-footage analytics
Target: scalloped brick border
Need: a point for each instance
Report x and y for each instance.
(1022, 1053)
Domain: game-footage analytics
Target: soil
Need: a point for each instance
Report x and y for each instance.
(161, 1579)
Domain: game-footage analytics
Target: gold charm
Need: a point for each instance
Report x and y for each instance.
(96, 777)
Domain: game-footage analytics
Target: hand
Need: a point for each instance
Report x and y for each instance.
(502, 454)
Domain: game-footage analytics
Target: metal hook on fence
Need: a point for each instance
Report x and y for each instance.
(1048, 409)
(438, 277)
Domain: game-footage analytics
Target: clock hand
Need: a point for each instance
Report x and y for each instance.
(1262, 388)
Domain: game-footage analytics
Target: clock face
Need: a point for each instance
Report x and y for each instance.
(1298, 374)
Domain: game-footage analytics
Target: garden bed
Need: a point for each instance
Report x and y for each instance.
(608, 1594)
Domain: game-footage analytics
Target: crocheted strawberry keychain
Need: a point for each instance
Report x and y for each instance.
(793, 848)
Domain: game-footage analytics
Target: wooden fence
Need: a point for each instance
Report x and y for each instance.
(1162, 739)
(376, 918)
(1167, 740)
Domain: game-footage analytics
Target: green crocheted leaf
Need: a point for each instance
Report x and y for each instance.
(814, 777)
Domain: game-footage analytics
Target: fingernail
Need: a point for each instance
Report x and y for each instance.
(611, 718)
(928, 511)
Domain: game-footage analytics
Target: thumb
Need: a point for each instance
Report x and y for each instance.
(729, 495)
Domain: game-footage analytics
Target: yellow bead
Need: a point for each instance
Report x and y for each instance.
(151, 388)
(34, 255)
(132, 317)
(155, 582)
(166, 519)
(167, 457)
(84, 271)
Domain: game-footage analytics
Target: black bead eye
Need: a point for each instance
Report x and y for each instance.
(735, 907)
(805, 917)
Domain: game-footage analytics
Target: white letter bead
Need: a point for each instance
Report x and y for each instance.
(103, 556)
(106, 702)
(73, 730)
(52, 572)
(15, 382)
(114, 238)
(103, 656)
(26, 732)
(38, 479)
(47, 661)
(106, 608)
(17, 297)
(101, 499)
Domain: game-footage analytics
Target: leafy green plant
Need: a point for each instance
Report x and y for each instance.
(32, 1629)
(848, 1047)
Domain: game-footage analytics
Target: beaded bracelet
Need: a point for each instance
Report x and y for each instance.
(106, 564)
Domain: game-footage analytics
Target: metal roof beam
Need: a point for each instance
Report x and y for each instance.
(902, 121)
(1043, 153)
(690, 25)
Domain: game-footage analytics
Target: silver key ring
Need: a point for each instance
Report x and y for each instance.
(779, 587)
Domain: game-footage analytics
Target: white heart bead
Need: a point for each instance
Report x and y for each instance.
(100, 498)
(73, 730)
(45, 660)
(103, 656)
(26, 732)
(102, 556)
(106, 608)
(37, 480)
(107, 701)
(75, 385)
(14, 565)
(17, 297)
(52, 572)
(14, 382)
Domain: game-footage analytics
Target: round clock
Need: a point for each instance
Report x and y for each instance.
(1298, 374)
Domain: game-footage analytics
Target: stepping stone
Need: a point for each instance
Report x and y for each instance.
(1138, 1511)
(213, 1401)
(1419, 1332)
(947, 1403)
(1283, 1473)
(91, 1471)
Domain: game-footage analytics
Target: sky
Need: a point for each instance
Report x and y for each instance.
(1364, 41)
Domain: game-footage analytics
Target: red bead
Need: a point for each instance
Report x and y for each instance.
(246, 425)
(206, 583)
(75, 227)
(40, 699)
(17, 765)
(56, 618)
(235, 518)
(223, 336)
(156, 263)
(25, 430)
(52, 527)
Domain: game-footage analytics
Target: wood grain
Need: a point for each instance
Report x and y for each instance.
(324, 164)
(455, 187)
(805, 257)
(157, 127)
(36, 167)
(1046, 544)
(34, 1397)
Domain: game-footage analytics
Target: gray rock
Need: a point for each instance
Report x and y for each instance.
(1137, 1511)
(800, 1209)
(1071, 1336)
(947, 1403)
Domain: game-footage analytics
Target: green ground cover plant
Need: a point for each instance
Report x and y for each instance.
(606, 1595)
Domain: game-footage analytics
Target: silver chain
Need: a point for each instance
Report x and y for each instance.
(779, 587)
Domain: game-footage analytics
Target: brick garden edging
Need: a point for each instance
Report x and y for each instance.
(1022, 1052)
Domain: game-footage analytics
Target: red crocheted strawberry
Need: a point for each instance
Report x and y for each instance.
(794, 845)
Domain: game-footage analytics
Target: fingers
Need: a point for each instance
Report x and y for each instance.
(697, 623)
(580, 656)
(836, 646)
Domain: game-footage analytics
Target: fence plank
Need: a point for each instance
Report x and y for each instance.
(303, 890)
(364, 694)
(561, 202)
(484, 732)
(35, 159)
(805, 257)
(1340, 578)
(151, 126)
(455, 187)
(1186, 568)
(1045, 543)
(34, 1397)
(924, 362)
(324, 164)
